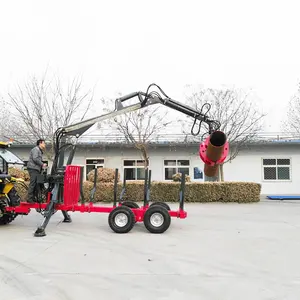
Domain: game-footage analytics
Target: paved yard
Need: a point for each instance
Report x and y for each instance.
(220, 252)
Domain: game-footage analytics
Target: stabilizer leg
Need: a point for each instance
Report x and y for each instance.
(67, 217)
(48, 214)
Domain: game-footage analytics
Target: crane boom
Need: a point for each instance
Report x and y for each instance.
(144, 100)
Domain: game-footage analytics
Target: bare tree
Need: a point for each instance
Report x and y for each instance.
(292, 122)
(43, 105)
(235, 110)
(140, 127)
(8, 121)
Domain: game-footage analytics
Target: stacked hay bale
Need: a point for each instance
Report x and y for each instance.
(20, 188)
(177, 177)
(103, 175)
(241, 192)
(15, 172)
(104, 184)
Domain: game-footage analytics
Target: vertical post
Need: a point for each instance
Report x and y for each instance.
(61, 157)
(94, 187)
(81, 185)
(124, 186)
(124, 179)
(145, 187)
(182, 190)
(115, 187)
(148, 188)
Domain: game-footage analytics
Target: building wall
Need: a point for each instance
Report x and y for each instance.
(247, 166)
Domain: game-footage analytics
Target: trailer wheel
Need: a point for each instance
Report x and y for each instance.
(163, 204)
(121, 219)
(130, 204)
(157, 219)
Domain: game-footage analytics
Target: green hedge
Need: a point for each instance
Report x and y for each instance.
(241, 192)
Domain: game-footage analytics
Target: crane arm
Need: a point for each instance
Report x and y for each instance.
(144, 100)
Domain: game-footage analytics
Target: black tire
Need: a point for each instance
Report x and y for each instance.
(14, 197)
(162, 214)
(127, 213)
(6, 217)
(163, 204)
(130, 204)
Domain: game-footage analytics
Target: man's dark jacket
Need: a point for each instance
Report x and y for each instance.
(35, 161)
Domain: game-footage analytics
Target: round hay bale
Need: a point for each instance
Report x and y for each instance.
(103, 175)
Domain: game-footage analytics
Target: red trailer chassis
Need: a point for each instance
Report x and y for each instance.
(122, 215)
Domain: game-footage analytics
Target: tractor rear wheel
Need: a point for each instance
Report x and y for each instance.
(121, 219)
(6, 217)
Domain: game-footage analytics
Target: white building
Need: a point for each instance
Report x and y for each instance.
(275, 164)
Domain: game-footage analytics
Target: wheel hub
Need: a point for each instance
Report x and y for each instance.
(157, 219)
(121, 220)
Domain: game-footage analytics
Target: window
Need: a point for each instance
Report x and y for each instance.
(198, 173)
(134, 169)
(276, 169)
(92, 163)
(174, 166)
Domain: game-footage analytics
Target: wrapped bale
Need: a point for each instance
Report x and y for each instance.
(103, 175)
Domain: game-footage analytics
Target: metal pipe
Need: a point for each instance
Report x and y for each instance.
(213, 151)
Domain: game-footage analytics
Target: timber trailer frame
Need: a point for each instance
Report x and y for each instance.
(65, 181)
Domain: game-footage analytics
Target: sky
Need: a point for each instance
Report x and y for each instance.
(123, 46)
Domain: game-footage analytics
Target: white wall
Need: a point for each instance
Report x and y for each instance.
(247, 166)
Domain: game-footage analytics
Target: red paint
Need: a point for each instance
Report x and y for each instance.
(71, 185)
(139, 213)
(71, 196)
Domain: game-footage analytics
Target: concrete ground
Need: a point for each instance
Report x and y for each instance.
(220, 252)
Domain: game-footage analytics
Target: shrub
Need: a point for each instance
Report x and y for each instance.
(177, 177)
(103, 175)
(241, 192)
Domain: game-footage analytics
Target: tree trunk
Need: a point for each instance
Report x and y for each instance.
(144, 152)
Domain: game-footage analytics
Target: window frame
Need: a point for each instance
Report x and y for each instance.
(176, 166)
(276, 166)
(133, 167)
(97, 165)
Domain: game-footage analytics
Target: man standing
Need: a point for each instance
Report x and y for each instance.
(34, 167)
